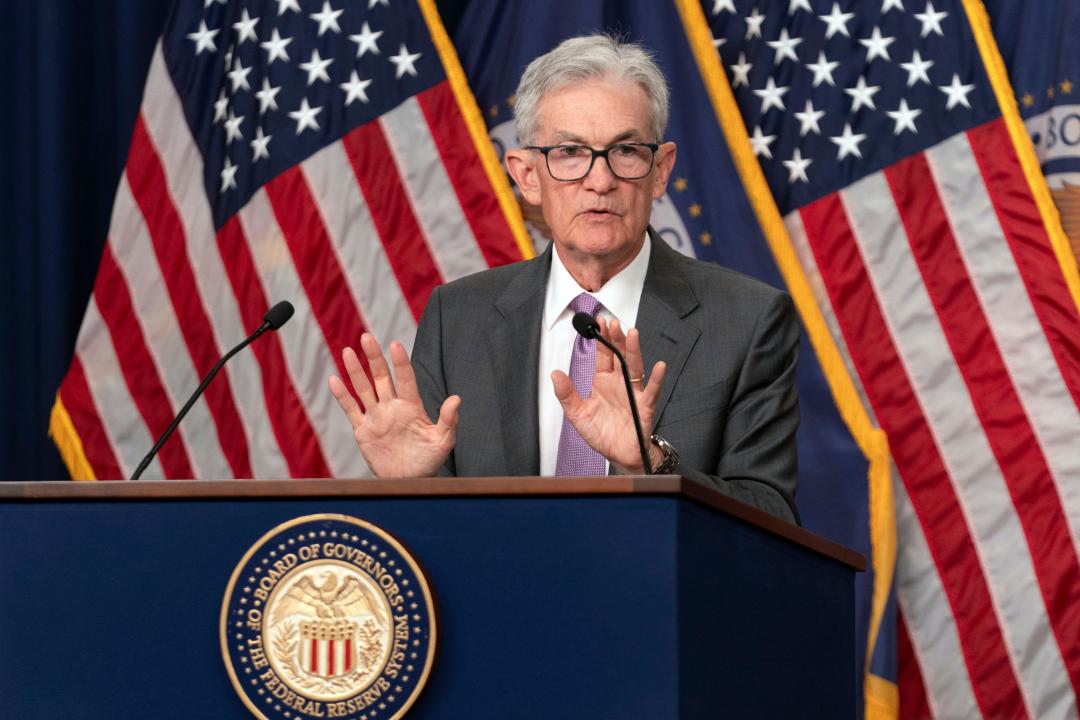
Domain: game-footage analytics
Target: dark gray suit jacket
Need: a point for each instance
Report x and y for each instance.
(728, 404)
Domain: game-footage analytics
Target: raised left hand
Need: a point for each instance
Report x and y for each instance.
(604, 420)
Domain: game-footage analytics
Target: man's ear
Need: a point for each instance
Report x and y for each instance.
(522, 167)
(665, 162)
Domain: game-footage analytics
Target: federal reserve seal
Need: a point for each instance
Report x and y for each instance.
(327, 616)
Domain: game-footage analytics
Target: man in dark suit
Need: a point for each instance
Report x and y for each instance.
(497, 361)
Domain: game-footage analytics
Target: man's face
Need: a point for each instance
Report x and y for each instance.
(600, 215)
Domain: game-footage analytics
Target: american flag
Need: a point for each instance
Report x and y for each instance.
(324, 152)
(919, 220)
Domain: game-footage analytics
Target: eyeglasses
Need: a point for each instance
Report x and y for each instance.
(627, 161)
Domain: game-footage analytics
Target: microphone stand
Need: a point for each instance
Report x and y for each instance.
(274, 319)
(587, 327)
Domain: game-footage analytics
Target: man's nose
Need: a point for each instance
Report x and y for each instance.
(600, 178)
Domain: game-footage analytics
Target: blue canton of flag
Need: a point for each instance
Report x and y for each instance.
(834, 93)
(266, 84)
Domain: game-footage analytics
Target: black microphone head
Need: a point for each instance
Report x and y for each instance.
(278, 315)
(586, 325)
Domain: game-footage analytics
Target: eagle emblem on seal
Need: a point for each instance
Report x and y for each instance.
(331, 599)
(1067, 200)
(326, 624)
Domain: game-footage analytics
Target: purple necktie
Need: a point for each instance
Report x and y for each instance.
(575, 456)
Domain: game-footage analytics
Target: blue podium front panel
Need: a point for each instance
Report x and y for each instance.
(766, 629)
(586, 606)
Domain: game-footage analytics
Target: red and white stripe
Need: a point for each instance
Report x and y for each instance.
(431, 195)
(106, 392)
(937, 280)
(328, 658)
(128, 240)
(183, 170)
(356, 237)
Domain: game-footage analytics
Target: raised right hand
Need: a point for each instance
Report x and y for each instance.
(392, 428)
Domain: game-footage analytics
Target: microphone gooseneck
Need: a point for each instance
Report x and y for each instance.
(588, 328)
(274, 318)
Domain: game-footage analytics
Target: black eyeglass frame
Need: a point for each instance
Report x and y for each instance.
(545, 149)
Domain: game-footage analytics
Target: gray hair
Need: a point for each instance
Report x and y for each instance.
(581, 58)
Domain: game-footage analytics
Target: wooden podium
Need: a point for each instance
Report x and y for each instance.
(613, 597)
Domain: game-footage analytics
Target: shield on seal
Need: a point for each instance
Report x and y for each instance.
(327, 647)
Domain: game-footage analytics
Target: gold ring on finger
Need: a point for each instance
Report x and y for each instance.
(638, 379)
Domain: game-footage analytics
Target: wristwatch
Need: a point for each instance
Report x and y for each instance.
(671, 456)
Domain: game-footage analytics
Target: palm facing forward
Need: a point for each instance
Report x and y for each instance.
(392, 428)
(603, 419)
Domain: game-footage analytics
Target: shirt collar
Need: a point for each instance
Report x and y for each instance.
(620, 295)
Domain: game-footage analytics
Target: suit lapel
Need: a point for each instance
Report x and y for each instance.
(666, 300)
(514, 350)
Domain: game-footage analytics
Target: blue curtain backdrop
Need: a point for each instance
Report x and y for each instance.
(71, 79)
(73, 74)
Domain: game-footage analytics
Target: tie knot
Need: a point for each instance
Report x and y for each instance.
(585, 303)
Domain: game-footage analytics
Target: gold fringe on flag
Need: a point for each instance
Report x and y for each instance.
(68, 442)
(474, 120)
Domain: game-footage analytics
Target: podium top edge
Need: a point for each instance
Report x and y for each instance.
(61, 491)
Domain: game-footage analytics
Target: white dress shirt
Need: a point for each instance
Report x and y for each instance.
(619, 299)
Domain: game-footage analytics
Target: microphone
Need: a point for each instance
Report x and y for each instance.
(588, 328)
(274, 318)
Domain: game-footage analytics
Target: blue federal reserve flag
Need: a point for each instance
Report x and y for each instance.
(1040, 43)
(706, 213)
